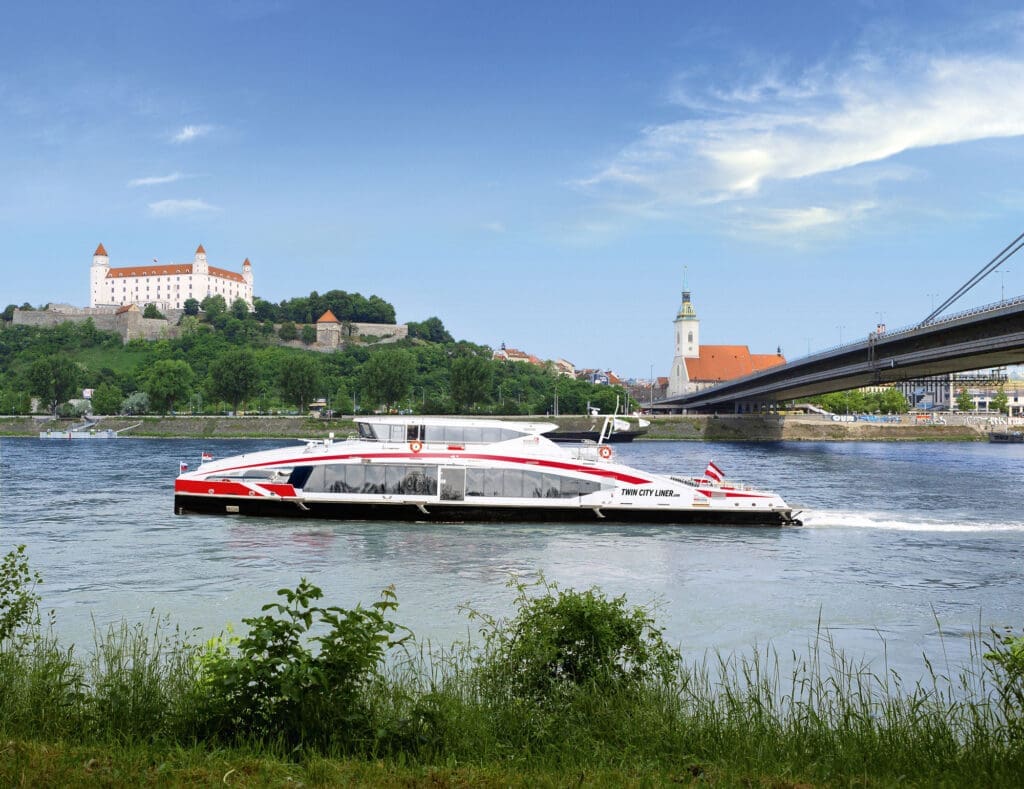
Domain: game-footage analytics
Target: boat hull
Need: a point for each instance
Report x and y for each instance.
(469, 513)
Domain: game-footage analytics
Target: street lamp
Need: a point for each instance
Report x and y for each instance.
(1002, 285)
(840, 333)
(652, 384)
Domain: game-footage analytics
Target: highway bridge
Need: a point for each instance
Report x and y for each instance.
(989, 336)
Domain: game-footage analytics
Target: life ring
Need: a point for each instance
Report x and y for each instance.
(415, 446)
(605, 452)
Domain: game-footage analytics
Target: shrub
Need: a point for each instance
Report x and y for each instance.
(19, 603)
(563, 639)
(1007, 659)
(272, 687)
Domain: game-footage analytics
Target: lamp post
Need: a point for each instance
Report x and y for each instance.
(1002, 284)
(840, 333)
(652, 385)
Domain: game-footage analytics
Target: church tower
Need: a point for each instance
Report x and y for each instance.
(687, 331)
(98, 275)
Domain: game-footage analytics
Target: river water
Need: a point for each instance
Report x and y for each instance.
(906, 549)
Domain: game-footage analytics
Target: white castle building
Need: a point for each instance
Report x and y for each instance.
(166, 286)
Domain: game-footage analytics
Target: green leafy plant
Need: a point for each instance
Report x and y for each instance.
(562, 639)
(19, 603)
(1006, 657)
(272, 686)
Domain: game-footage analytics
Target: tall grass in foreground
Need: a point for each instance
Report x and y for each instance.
(573, 682)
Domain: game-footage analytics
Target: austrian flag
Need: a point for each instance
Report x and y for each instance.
(713, 472)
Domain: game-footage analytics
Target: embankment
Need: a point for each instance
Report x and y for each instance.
(689, 428)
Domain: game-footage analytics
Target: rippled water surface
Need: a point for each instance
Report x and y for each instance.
(900, 540)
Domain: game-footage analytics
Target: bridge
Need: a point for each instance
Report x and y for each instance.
(988, 336)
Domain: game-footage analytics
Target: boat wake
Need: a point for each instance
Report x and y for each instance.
(891, 522)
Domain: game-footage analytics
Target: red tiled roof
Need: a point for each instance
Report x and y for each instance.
(100, 251)
(725, 362)
(127, 308)
(246, 263)
(200, 250)
(166, 270)
(327, 317)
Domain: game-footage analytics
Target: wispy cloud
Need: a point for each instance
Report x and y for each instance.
(156, 180)
(742, 139)
(495, 227)
(801, 220)
(192, 132)
(181, 207)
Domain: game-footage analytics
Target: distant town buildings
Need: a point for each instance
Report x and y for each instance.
(697, 366)
(560, 366)
(166, 286)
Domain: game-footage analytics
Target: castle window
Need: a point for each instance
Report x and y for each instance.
(689, 337)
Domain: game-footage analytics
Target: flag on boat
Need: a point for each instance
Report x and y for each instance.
(182, 466)
(713, 472)
(207, 456)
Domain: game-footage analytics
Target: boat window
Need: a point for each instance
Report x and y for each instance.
(513, 483)
(453, 484)
(299, 476)
(433, 433)
(493, 483)
(490, 435)
(456, 435)
(474, 482)
(412, 433)
(551, 486)
(398, 433)
(366, 432)
(374, 482)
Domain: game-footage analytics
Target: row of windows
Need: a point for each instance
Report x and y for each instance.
(399, 479)
(373, 478)
(514, 483)
(438, 434)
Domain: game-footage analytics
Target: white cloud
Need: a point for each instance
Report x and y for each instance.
(495, 227)
(156, 180)
(749, 136)
(801, 220)
(189, 133)
(181, 207)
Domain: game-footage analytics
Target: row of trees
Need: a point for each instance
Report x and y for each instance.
(211, 370)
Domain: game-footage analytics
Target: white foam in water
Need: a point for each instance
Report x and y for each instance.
(886, 520)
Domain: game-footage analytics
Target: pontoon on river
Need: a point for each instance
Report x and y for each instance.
(444, 469)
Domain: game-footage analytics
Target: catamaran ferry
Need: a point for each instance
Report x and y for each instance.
(418, 468)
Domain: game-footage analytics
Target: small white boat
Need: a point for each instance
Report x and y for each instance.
(464, 470)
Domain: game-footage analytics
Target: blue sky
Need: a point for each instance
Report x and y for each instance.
(537, 174)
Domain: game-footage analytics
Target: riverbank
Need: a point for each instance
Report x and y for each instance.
(746, 427)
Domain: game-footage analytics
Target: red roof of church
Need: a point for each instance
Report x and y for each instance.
(200, 250)
(725, 362)
(100, 251)
(327, 317)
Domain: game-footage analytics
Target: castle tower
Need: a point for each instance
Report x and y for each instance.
(199, 265)
(247, 272)
(97, 275)
(687, 332)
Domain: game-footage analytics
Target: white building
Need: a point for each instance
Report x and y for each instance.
(166, 286)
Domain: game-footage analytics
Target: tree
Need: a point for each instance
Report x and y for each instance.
(288, 332)
(214, 306)
(892, 401)
(1000, 402)
(299, 379)
(431, 330)
(135, 403)
(152, 312)
(233, 376)
(8, 314)
(106, 399)
(240, 309)
(169, 380)
(386, 377)
(964, 401)
(309, 334)
(54, 380)
(191, 307)
(471, 380)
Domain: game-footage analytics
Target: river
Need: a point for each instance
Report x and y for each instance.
(906, 549)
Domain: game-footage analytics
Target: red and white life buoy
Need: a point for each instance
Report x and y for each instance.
(415, 446)
(605, 452)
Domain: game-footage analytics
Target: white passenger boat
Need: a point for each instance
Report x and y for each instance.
(464, 470)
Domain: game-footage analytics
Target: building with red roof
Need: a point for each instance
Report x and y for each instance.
(697, 366)
(168, 286)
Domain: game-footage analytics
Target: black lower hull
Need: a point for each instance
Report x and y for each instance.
(449, 513)
(576, 436)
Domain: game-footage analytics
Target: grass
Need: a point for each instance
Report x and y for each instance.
(137, 710)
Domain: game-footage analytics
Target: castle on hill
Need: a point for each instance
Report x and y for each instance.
(167, 287)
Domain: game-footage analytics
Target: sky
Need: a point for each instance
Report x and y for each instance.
(544, 175)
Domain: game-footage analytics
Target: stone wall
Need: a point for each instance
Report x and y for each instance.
(130, 325)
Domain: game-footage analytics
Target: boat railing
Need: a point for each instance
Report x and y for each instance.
(704, 482)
